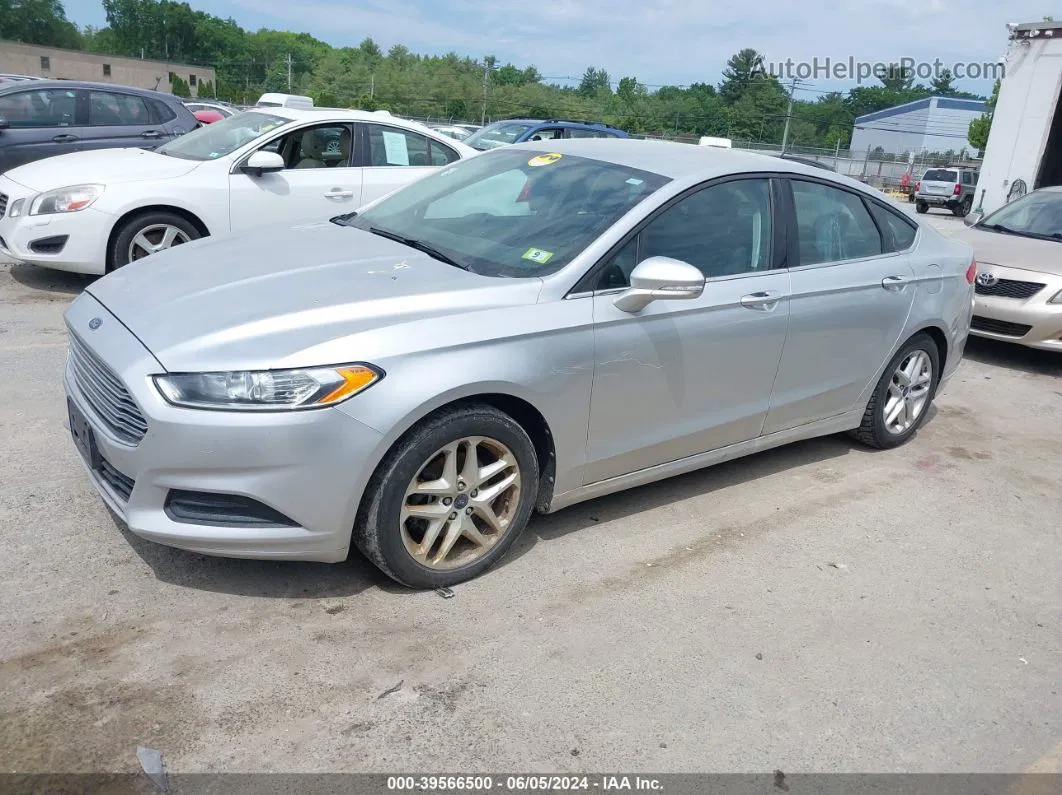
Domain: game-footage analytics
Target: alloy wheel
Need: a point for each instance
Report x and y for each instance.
(908, 393)
(460, 503)
(155, 238)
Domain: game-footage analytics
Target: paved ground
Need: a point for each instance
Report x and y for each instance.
(816, 608)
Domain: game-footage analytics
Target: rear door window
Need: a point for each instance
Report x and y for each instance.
(109, 109)
(393, 146)
(833, 224)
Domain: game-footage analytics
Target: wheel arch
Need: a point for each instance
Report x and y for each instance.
(525, 413)
(188, 215)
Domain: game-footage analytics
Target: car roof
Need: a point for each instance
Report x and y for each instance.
(680, 160)
(37, 85)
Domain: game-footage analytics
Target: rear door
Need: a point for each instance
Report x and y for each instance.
(940, 182)
(116, 119)
(318, 183)
(41, 123)
(851, 297)
(392, 157)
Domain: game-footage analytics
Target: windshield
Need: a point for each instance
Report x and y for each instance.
(940, 175)
(222, 137)
(514, 212)
(1037, 214)
(498, 134)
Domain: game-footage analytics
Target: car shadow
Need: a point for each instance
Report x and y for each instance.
(715, 478)
(58, 283)
(261, 578)
(296, 580)
(1013, 357)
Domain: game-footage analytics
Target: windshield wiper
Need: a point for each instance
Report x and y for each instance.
(344, 219)
(419, 245)
(1034, 235)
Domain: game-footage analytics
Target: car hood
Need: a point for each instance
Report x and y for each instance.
(292, 297)
(1013, 251)
(102, 166)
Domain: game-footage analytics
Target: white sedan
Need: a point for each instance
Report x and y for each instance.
(92, 212)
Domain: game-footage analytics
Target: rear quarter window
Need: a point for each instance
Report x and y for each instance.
(898, 234)
(163, 111)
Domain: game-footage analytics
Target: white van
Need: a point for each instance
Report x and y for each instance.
(723, 143)
(285, 101)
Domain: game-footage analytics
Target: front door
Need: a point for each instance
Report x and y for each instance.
(850, 303)
(317, 183)
(40, 123)
(688, 376)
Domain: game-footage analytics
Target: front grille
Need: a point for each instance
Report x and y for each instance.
(1008, 288)
(3, 204)
(120, 484)
(993, 326)
(106, 394)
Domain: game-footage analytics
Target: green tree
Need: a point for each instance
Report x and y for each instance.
(179, 87)
(742, 71)
(943, 84)
(595, 82)
(980, 128)
(38, 22)
(896, 78)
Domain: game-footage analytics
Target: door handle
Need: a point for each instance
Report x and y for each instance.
(151, 134)
(763, 301)
(336, 193)
(64, 139)
(895, 283)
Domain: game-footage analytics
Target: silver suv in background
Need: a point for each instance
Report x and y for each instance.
(949, 188)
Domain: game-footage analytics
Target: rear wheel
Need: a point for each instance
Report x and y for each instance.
(921, 207)
(964, 207)
(450, 498)
(903, 395)
(148, 233)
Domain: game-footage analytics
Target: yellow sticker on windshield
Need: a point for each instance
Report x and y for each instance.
(545, 160)
(538, 255)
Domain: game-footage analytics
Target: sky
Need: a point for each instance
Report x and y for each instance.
(661, 42)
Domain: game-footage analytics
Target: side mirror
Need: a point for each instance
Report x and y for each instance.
(972, 218)
(4, 123)
(660, 278)
(261, 163)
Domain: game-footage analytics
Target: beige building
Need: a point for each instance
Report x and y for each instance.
(54, 63)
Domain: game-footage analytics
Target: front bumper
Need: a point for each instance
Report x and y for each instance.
(1032, 322)
(84, 249)
(310, 466)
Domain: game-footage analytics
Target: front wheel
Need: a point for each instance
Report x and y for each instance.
(148, 233)
(450, 498)
(903, 395)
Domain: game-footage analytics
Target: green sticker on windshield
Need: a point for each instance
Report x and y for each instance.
(538, 255)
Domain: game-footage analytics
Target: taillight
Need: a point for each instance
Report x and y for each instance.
(971, 272)
(918, 186)
(958, 189)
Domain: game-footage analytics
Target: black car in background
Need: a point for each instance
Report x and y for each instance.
(43, 118)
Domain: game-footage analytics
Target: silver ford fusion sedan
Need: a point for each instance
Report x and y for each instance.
(524, 330)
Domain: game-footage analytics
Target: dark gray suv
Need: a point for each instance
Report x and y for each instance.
(43, 118)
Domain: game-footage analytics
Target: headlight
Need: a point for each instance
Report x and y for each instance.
(1057, 299)
(267, 390)
(65, 200)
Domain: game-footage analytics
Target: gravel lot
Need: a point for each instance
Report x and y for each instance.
(821, 607)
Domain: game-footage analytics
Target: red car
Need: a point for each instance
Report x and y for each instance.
(207, 116)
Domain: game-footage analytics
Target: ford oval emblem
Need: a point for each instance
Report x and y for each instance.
(95, 323)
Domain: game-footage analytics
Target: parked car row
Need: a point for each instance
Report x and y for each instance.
(519, 330)
(93, 213)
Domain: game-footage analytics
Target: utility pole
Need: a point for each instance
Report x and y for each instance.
(836, 154)
(289, 72)
(372, 86)
(789, 114)
(486, 88)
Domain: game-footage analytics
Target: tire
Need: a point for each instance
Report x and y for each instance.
(875, 430)
(921, 207)
(156, 226)
(964, 207)
(388, 538)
